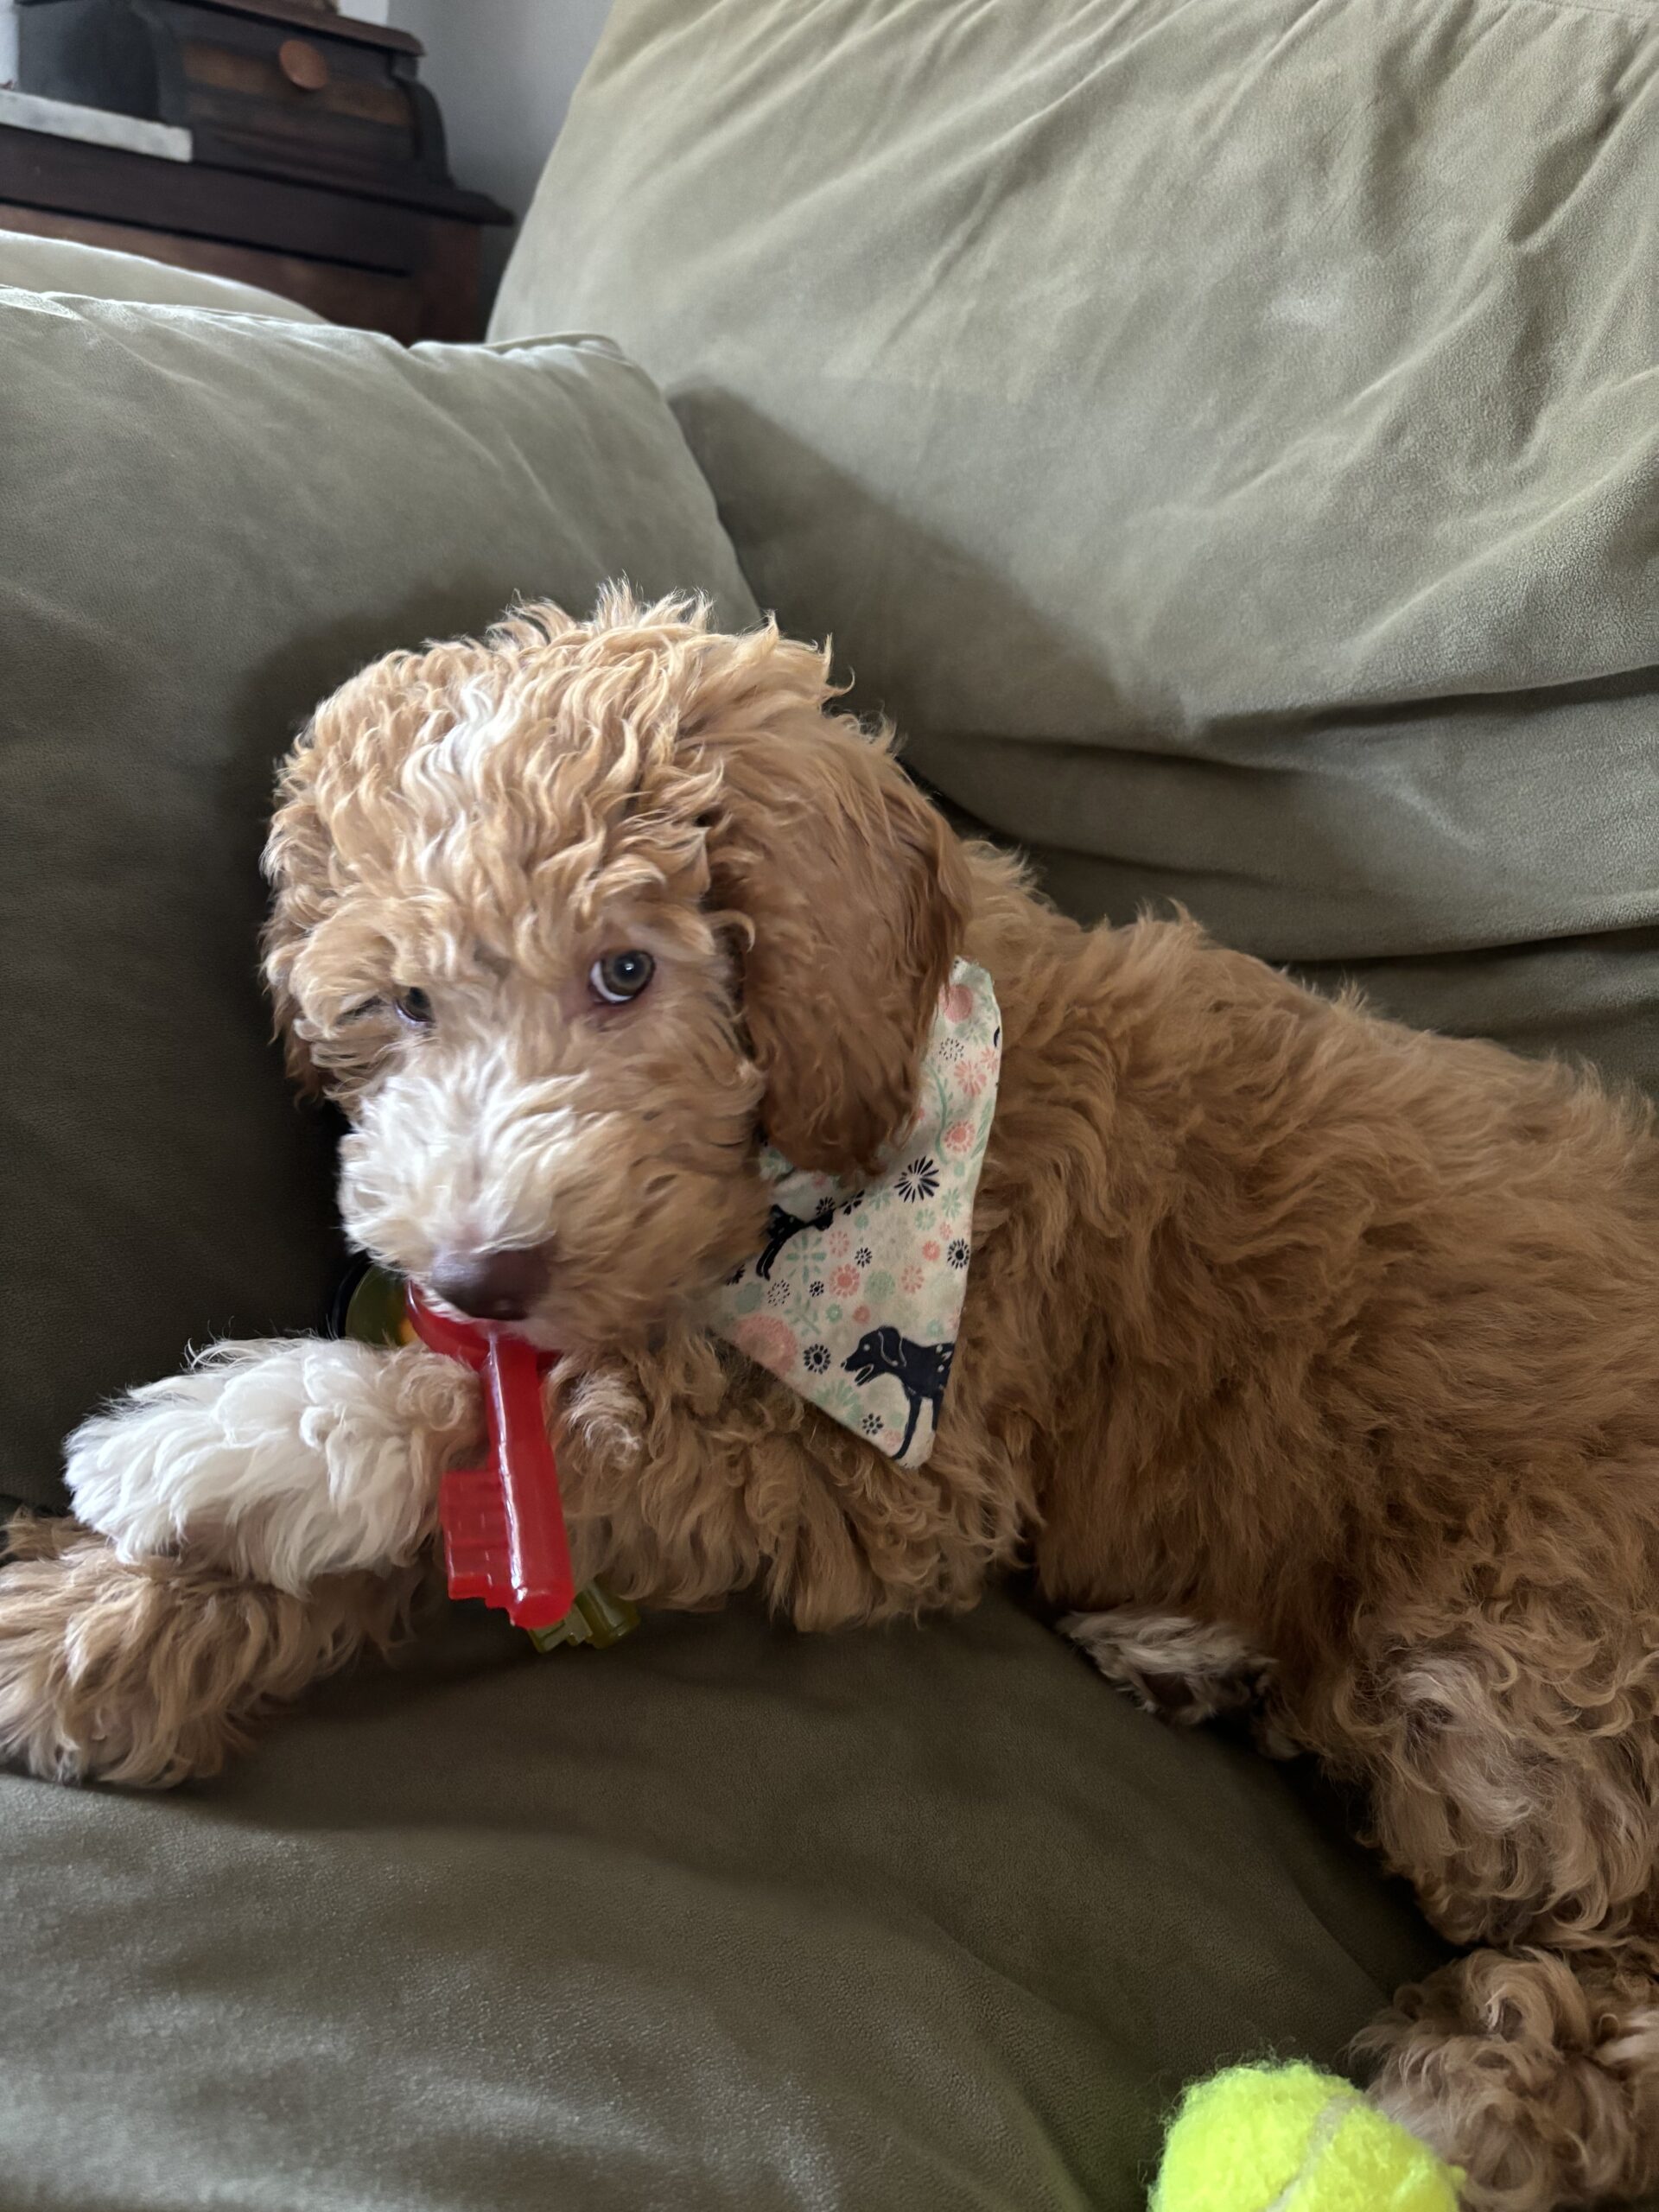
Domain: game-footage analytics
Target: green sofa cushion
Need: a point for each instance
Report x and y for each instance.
(208, 520)
(1223, 431)
(723, 1920)
(98, 272)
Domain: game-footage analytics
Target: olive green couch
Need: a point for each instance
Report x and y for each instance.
(1223, 433)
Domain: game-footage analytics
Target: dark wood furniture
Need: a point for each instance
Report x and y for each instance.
(319, 168)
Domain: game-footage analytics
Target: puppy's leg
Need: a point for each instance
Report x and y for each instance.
(144, 1674)
(254, 1522)
(285, 1461)
(1537, 2071)
(688, 1474)
(1184, 1671)
(1511, 1756)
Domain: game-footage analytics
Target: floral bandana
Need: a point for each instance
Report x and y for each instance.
(855, 1300)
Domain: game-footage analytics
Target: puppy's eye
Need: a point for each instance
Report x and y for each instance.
(620, 976)
(415, 1009)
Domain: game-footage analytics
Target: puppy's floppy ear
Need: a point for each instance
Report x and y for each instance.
(347, 757)
(852, 891)
(296, 867)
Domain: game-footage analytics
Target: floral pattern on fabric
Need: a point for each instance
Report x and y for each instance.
(855, 1298)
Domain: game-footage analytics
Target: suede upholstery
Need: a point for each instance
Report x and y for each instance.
(209, 521)
(1221, 431)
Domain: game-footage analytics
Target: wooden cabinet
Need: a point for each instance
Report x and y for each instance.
(318, 165)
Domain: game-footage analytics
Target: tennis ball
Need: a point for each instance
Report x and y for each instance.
(1287, 2138)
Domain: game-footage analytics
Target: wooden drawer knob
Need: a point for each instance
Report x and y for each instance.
(302, 65)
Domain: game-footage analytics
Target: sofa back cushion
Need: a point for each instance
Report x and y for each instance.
(50, 264)
(1222, 432)
(209, 521)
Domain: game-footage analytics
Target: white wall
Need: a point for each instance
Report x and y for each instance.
(503, 72)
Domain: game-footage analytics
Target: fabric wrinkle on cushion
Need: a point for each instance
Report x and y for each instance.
(1221, 431)
(209, 522)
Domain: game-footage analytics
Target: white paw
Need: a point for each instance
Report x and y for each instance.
(285, 1461)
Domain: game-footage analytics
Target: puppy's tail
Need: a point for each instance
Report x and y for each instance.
(1536, 2071)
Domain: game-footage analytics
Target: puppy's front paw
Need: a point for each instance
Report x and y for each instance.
(80, 1694)
(284, 1461)
(146, 1673)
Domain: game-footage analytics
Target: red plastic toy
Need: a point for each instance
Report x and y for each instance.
(503, 1538)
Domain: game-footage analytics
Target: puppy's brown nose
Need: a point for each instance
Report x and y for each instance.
(492, 1286)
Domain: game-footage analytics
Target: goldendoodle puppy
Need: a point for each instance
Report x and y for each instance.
(1305, 1358)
